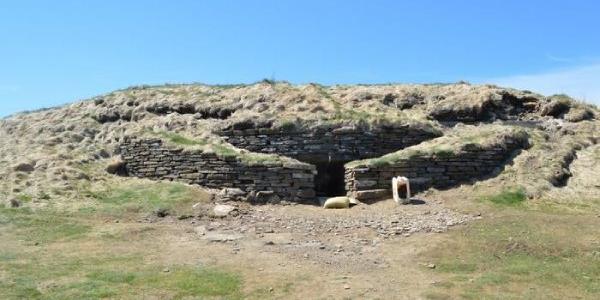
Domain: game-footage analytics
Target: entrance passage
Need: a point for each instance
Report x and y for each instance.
(329, 181)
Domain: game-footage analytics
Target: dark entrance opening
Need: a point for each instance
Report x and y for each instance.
(329, 181)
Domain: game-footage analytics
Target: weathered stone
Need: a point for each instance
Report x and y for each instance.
(264, 196)
(372, 194)
(261, 182)
(361, 184)
(302, 176)
(222, 210)
(200, 230)
(231, 194)
(331, 142)
(306, 193)
(149, 158)
(436, 169)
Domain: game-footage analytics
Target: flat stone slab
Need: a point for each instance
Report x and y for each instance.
(372, 194)
(223, 210)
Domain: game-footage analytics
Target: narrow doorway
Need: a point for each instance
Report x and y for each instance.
(329, 181)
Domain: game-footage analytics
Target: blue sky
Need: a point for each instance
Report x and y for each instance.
(53, 52)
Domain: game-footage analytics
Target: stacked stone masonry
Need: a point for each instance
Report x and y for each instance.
(295, 180)
(327, 144)
(150, 158)
(425, 171)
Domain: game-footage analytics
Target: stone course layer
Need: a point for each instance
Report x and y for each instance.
(321, 144)
(269, 182)
(442, 162)
(439, 170)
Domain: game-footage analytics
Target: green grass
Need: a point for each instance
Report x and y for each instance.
(24, 198)
(177, 139)
(521, 254)
(222, 149)
(68, 261)
(288, 126)
(194, 282)
(510, 197)
(147, 197)
(42, 226)
(34, 276)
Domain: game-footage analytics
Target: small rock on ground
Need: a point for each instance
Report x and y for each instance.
(223, 210)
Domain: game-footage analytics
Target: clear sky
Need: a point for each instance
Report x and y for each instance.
(53, 52)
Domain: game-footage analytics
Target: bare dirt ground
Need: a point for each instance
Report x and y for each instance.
(369, 251)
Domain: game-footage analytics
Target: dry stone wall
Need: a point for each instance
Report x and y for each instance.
(431, 170)
(270, 182)
(329, 144)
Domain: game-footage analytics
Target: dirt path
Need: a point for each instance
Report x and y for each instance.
(390, 268)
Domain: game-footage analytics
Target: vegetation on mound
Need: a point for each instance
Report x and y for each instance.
(223, 150)
(359, 120)
(459, 140)
(546, 163)
(329, 107)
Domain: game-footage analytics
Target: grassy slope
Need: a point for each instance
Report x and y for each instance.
(518, 251)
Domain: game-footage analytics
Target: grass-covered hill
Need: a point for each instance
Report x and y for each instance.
(52, 154)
